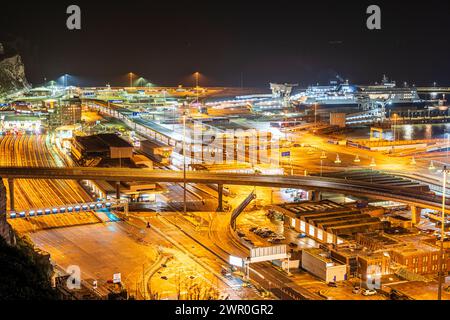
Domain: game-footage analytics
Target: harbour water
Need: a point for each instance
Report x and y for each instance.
(407, 132)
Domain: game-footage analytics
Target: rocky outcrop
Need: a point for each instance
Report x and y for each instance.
(12, 73)
(6, 231)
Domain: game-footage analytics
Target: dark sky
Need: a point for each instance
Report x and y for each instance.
(286, 41)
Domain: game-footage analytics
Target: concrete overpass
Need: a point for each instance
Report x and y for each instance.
(414, 198)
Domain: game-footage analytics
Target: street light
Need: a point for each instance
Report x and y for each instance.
(448, 144)
(315, 113)
(184, 163)
(323, 156)
(338, 160)
(131, 78)
(431, 166)
(395, 126)
(441, 252)
(196, 83)
(196, 74)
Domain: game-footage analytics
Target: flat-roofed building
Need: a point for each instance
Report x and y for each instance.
(420, 258)
(317, 262)
(360, 260)
(105, 146)
(373, 265)
(20, 123)
(327, 221)
(62, 112)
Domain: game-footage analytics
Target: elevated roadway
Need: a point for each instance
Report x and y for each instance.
(339, 185)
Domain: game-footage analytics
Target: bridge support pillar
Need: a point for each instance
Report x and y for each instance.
(118, 190)
(11, 194)
(315, 195)
(415, 214)
(220, 197)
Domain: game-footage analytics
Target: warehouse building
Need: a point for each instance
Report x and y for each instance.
(105, 146)
(327, 221)
(318, 262)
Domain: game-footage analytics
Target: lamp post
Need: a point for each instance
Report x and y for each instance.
(441, 251)
(448, 144)
(322, 157)
(315, 113)
(184, 163)
(131, 79)
(196, 84)
(395, 126)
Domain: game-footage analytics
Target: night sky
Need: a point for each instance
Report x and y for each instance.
(258, 41)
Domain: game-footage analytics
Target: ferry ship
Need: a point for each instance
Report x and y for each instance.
(347, 98)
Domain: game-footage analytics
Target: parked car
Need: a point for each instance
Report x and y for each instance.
(301, 235)
(292, 244)
(274, 240)
(332, 284)
(356, 290)
(252, 229)
(369, 292)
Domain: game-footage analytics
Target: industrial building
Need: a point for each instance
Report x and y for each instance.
(105, 146)
(418, 254)
(62, 112)
(421, 258)
(361, 261)
(318, 262)
(20, 123)
(327, 221)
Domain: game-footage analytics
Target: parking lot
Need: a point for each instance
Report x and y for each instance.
(273, 227)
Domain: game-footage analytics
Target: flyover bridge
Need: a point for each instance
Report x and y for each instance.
(397, 193)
